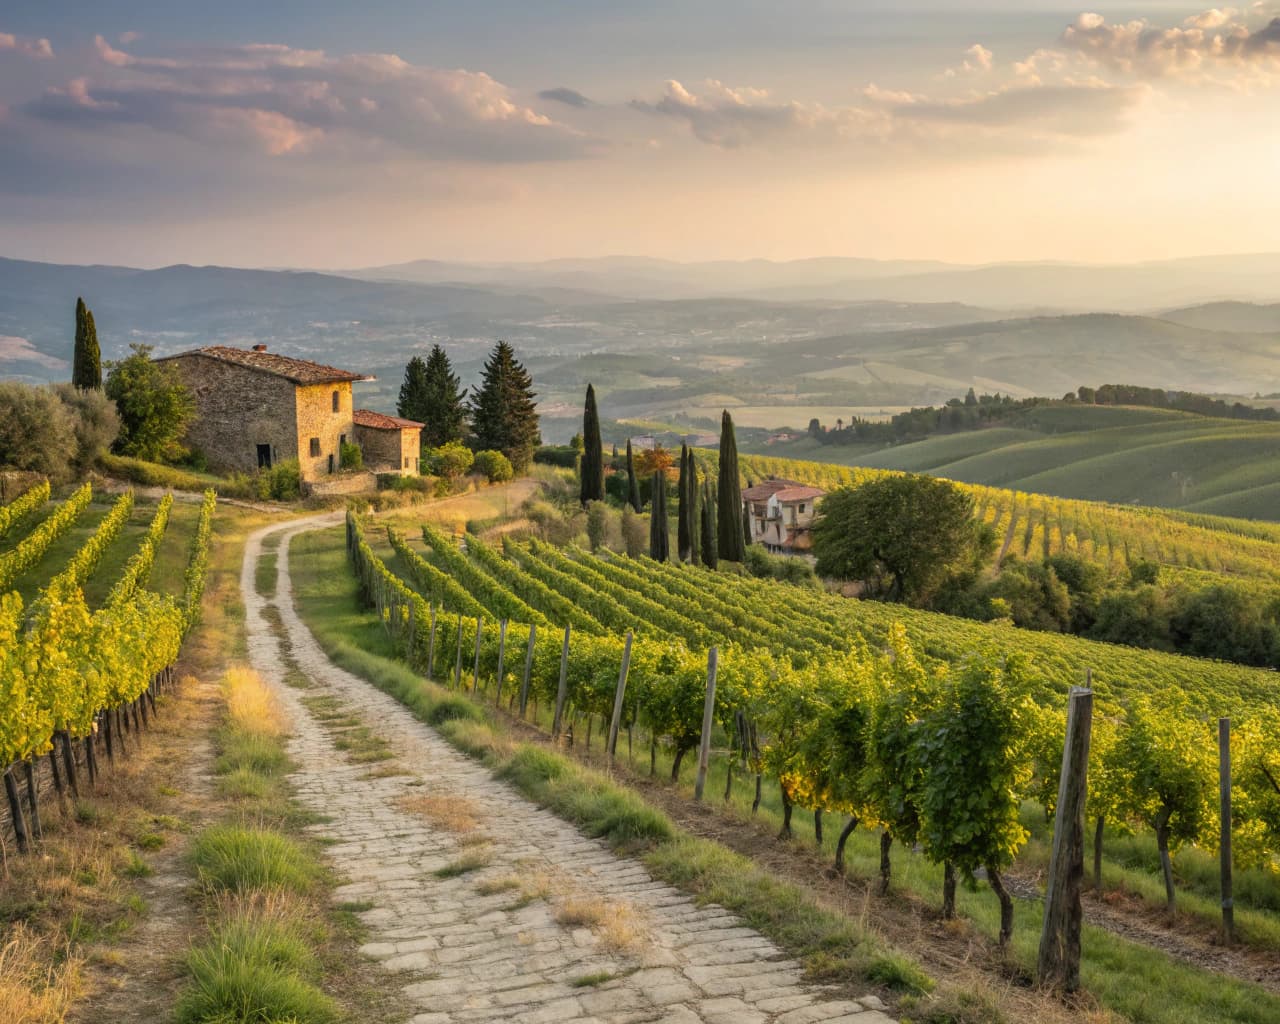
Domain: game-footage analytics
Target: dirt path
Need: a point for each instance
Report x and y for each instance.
(547, 925)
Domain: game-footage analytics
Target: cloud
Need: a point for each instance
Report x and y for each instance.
(280, 101)
(569, 97)
(1216, 45)
(38, 48)
(978, 59)
(730, 118)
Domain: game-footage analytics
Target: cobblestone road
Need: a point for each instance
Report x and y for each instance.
(552, 926)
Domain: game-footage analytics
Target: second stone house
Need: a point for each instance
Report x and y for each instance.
(781, 514)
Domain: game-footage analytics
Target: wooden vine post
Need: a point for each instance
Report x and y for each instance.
(475, 672)
(457, 664)
(1058, 965)
(562, 689)
(528, 669)
(708, 716)
(1224, 843)
(431, 646)
(616, 721)
(502, 661)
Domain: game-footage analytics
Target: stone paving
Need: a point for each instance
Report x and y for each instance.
(508, 941)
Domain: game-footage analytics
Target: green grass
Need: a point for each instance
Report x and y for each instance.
(471, 861)
(255, 970)
(240, 859)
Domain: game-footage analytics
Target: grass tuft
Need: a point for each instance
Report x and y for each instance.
(233, 858)
(472, 860)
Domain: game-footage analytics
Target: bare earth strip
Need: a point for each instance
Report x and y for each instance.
(541, 906)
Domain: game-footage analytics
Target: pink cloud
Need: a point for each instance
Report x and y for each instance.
(38, 48)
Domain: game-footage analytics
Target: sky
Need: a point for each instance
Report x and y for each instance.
(337, 135)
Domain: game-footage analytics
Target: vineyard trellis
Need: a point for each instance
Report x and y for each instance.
(74, 678)
(865, 727)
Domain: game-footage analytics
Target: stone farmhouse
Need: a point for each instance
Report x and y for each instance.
(781, 514)
(255, 408)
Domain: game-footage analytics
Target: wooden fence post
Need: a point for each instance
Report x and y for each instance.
(562, 689)
(708, 715)
(475, 672)
(502, 660)
(457, 665)
(1224, 843)
(616, 721)
(431, 646)
(528, 670)
(1058, 965)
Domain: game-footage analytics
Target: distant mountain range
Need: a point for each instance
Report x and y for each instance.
(1139, 287)
(779, 342)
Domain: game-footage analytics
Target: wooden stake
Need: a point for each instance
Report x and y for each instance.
(431, 646)
(616, 721)
(708, 716)
(1224, 842)
(457, 665)
(33, 801)
(563, 687)
(1058, 965)
(475, 677)
(15, 810)
(528, 670)
(502, 661)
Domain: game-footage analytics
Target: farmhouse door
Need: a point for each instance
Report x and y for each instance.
(264, 456)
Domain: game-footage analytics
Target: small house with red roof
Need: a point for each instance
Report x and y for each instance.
(781, 513)
(256, 408)
(390, 444)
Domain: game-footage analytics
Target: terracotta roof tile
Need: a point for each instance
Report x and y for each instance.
(300, 371)
(377, 421)
(766, 488)
(799, 493)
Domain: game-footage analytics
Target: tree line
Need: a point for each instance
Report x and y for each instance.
(976, 412)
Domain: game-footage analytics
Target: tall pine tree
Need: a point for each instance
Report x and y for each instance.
(684, 511)
(86, 360)
(659, 540)
(730, 540)
(710, 557)
(504, 416)
(592, 451)
(633, 485)
(432, 395)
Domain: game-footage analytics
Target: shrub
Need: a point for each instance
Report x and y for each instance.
(154, 405)
(449, 461)
(37, 431)
(495, 466)
(94, 420)
(351, 456)
(565, 456)
(282, 482)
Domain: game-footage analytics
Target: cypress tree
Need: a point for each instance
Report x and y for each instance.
(695, 510)
(684, 511)
(731, 545)
(633, 485)
(709, 557)
(592, 452)
(432, 395)
(746, 526)
(659, 542)
(86, 359)
(504, 416)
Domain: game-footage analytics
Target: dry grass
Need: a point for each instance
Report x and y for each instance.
(251, 705)
(449, 813)
(38, 983)
(493, 886)
(618, 925)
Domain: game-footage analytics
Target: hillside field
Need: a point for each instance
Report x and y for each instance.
(1150, 457)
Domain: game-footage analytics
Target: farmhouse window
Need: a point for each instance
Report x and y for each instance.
(315, 447)
(336, 402)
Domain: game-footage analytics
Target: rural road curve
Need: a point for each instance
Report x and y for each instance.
(506, 941)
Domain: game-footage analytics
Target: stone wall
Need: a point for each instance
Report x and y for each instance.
(238, 409)
(343, 483)
(390, 451)
(317, 419)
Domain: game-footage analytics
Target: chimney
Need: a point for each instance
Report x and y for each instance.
(259, 348)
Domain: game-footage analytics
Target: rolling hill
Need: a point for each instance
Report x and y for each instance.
(1122, 455)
